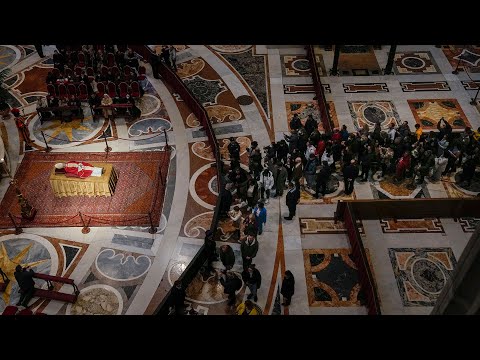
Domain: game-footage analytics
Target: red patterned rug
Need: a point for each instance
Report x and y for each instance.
(140, 191)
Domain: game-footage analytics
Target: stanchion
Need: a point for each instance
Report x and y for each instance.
(85, 229)
(458, 63)
(152, 229)
(107, 148)
(18, 230)
(47, 148)
(474, 100)
(167, 147)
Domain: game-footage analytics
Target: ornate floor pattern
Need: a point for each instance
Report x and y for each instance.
(324, 225)
(469, 224)
(421, 273)
(389, 189)
(428, 112)
(415, 86)
(209, 88)
(306, 108)
(412, 226)
(44, 254)
(365, 88)
(253, 69)
(451, 53)
(372, 112)
(413, 63)
(295, 65)
(332, 278)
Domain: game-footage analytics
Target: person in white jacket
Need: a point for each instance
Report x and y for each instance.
(266, 183)
(439, 168)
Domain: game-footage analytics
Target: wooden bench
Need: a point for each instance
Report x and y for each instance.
(56, 295)
(10, 310)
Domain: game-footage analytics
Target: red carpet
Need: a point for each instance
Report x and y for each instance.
(139, 191)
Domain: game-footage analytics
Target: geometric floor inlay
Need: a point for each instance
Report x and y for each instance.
(372, 112)
(332, 278)
(421, 273)
(324, 225)
(469, 224)
(413, 63)
(412, 226)
(427, 113)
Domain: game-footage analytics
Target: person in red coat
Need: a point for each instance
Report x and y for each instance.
(336, 136)
(22, 126)
(402, 165)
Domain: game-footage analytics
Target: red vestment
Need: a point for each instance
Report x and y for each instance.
(403, 164)
(78, 169)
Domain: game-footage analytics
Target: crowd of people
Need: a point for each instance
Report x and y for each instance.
(91, 65)
(307, 159)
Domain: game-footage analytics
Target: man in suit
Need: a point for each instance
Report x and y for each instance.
(292, 199)
(253, 279)
(24, 277)
(350, 172)
(177, 298)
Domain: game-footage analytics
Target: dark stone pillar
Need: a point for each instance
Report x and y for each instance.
(334, 70)
(391, 56)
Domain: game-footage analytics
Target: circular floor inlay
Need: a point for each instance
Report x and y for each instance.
(230, 48)
(97, 299)
(8, 56)
(374, 114)
(301, 65)
(413, 62)
(428, 275)
(244, 100)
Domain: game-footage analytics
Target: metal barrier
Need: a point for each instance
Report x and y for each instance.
(317, 84)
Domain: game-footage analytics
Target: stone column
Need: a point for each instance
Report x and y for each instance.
(391, 57)
(461, 294)
(334, 70)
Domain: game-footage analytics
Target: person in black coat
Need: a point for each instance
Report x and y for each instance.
(288, 288)
(295, 123)
(227, 256)
(310, 125)
(322, 179)
(233, 149)
(253, 279)
(24, 277)
(226, 202)
(292, 199)
(166, 55)
(249, 249)
(231, 283)
(177, 298)
(211, 250)
(350, 172)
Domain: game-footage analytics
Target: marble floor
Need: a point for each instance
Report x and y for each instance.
(250, 92)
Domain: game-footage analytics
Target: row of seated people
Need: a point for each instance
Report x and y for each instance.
(82, 90)
(99, 105)
(88, 56)
(105, 74)
(53, 107)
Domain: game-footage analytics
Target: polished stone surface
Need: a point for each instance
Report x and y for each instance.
(126, 270)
